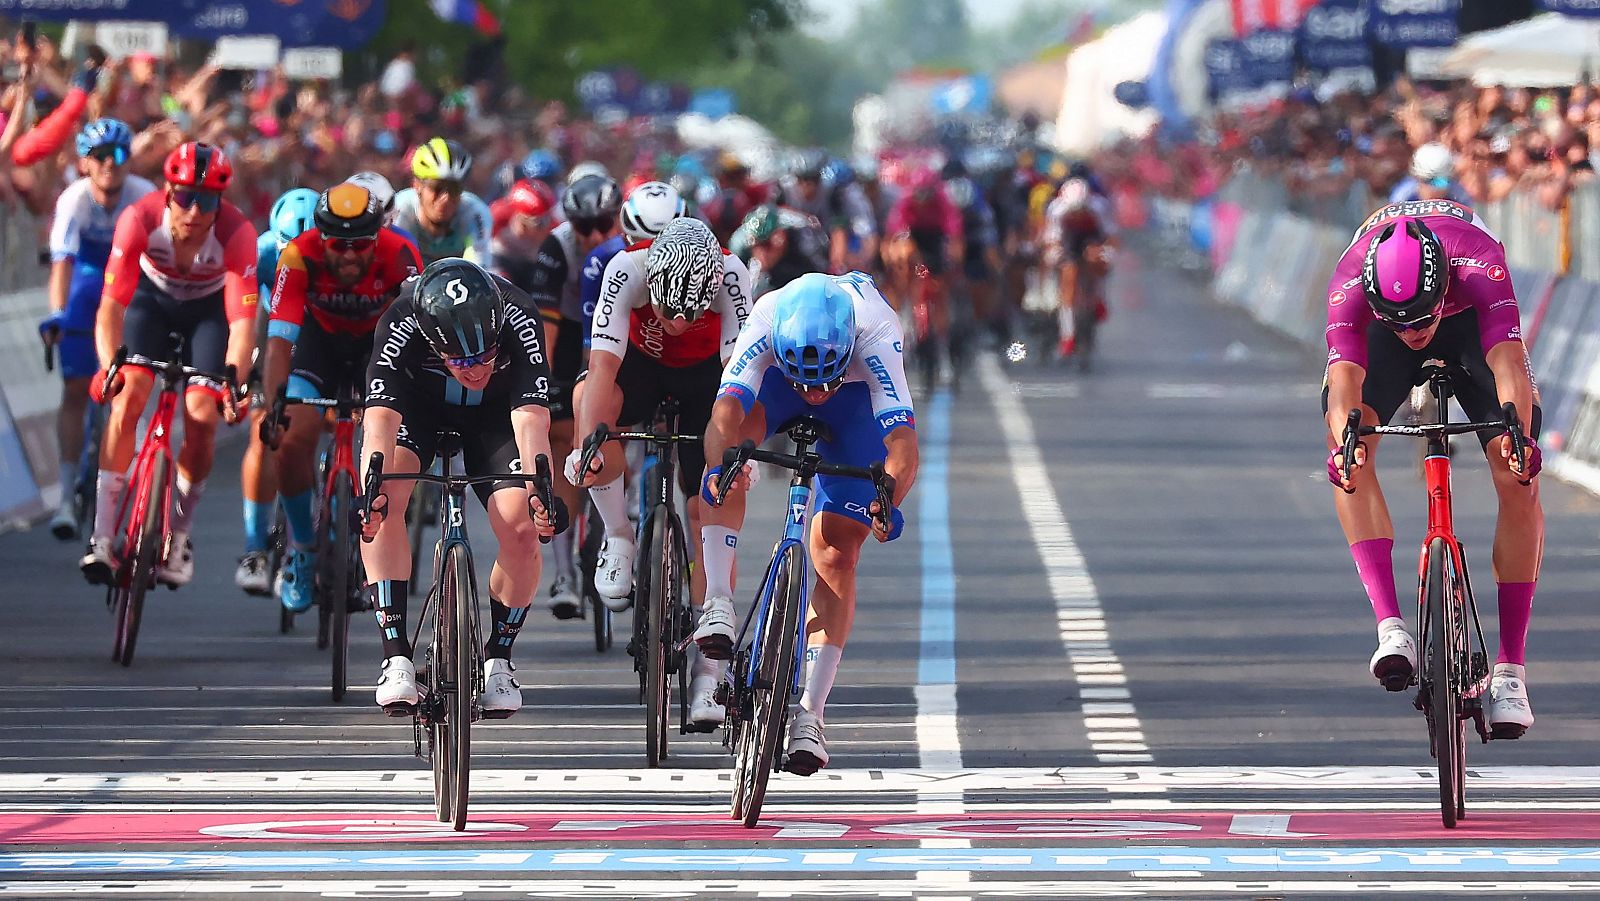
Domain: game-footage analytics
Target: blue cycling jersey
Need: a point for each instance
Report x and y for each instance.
(266, 267)
(594, 270)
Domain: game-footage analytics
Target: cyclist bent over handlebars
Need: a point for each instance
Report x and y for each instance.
(1426, 280)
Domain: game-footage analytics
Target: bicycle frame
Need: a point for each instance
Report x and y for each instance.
(794, 535)
(157, 442)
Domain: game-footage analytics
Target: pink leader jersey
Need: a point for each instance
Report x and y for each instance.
(1478, 278)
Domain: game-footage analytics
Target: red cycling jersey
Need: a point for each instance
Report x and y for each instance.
(304, 282)
(225, 262)
(936, 213)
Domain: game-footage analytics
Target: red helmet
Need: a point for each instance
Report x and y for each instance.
(532, 198)
(199, 166)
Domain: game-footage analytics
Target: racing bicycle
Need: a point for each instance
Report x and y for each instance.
(1455, 662)
(140, 548)
(451, 676)
(662, 620)
(766, 671)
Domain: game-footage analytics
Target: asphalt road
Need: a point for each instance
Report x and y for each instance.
(1120, 651)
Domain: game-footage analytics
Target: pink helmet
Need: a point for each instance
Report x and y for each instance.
(1404, 275)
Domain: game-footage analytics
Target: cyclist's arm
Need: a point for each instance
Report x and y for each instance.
(741, 381)
(530, 374)
(64, 246)
(1344, 381)
(239, 292)
(479, 223)
(734, 303)
(60, 282)
(122, 277)
(288, 315)
(1513, 383)
(388, 385)
(621, 290)
(546, 282)
(901, 461)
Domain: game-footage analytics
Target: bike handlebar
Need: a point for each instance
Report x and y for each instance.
(1353, 430)
(540, 478)
(734, 458)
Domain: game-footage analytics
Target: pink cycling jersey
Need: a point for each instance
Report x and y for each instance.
(1479, 279)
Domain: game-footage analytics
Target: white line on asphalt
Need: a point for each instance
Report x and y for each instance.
(1078, 610)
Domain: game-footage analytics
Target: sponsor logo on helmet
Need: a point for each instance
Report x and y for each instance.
(881, 373)
(456, 291)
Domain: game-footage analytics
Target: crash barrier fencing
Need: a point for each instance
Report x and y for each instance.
(1273, 258)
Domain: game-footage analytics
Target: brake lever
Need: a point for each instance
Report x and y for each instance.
(1352, 437)
(885, 485)
(733, 460)
(545, 491)
(591, 446)
(1519, 441)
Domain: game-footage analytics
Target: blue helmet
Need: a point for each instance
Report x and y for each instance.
(838, 173)
(814, 331)
(293, 213)
(541, 165)
(101, 132)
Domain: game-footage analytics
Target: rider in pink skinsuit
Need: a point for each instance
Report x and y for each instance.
(1478, 279)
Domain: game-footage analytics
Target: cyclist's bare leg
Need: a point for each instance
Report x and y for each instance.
(835, 542)
(697, 574)
(257, 476)
(388, 555)
(561, 442)
(515, 576)
(120, 438)
(69, 425)
(1364, 514)
(1519, 530)
(296, 459)
(730, 513)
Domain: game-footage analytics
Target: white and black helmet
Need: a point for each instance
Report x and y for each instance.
(684, 269)
(649, 208)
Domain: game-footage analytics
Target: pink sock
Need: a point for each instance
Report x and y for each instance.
(1375, 562)
(1516, 608)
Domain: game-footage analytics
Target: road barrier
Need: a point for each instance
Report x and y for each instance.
(1272, 255)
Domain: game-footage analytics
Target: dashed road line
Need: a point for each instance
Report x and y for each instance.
(1079, 616)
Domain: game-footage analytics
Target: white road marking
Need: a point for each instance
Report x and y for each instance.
(1082, 620)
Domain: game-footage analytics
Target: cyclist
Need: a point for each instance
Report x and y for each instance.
(592, 202)
(928, 230)
(1433, 284)
(1432, 177)
(292, 214)
(438, 212)
(460, 349)
(645, 212)
(981, 264)
(829, 347)
(383, 191)
(333, 284)
(182, 261)
(735, 196)
(80, 244)
(779, 245)
(677, 302)
(522, 221)
(543, 166)
(844, 213)
(1077, 238)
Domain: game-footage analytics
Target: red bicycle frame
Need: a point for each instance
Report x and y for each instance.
(343, 460)
(157, 442)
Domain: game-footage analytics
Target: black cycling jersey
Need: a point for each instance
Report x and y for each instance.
(405, 373)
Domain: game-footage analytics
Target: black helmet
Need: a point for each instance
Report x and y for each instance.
(592, 198)
(459, 307)
(348, 210)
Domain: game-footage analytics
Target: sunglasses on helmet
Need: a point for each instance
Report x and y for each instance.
(478, 359)
(587, 227)
(349, 245)
(114, 152)
(207, 201)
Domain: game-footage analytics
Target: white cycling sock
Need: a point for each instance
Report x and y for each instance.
(822, 665)
(185, 496)
(700, 666)
(612, 501)
(68, 474)
(719, 548)
(108, 503)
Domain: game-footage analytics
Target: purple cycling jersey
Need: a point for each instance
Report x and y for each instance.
(1478, 276)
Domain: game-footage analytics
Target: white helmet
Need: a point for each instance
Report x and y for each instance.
(684, 269)
(1074, 195)
(587, 167)
(1432, 163)
(376, 185)
(649, 208)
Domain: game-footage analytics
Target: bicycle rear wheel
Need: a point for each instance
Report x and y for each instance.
(655, 595)
(1444, 702)
(457, 604)
(342, 572)
(277, 545)
(759, 739)
(128, 597)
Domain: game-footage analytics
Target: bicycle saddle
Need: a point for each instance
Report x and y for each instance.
(807, 428)
(1425, 372)
(449, 443)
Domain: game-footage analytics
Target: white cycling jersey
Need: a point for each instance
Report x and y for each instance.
(624, 316)
(470, 235)
(82, 229)
(877, 361)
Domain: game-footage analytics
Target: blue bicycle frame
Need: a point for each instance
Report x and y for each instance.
(794, 531)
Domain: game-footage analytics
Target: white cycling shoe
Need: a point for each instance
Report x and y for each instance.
(613, 573)
(502, 696)
(1394, 663)
(178, 571)
(1509, 713)
(253, 574)
(705, 712)
(564, 601)
(397, 686)
(64, 525)
(808, 748)
(715, 632)
(97, 565)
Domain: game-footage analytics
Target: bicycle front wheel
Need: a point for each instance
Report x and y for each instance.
(774, 673)
(657, 551)
(457, 604)
(277, 546)
(145, 555)
(343, 572)
(1444, 701)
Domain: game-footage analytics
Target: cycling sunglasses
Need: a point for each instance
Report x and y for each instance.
(1422, 324)
(443, 186)
(349, 245)
(475, 360)
(207, 201)
(587, 227)
(114, 152)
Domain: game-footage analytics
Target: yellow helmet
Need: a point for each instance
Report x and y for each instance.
(439, 159)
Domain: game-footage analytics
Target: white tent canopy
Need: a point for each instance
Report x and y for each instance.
(1549, 50)
(1090, 115)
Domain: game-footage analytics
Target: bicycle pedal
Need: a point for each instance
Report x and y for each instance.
(801, 764)
(694, 728)
(1507, 731)
(496, 714)
(566, 611)
(399, 710)
(717, 647)
(1394, 672)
